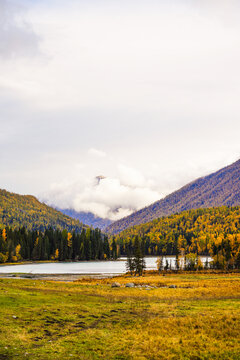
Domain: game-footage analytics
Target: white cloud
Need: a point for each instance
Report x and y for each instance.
(131, 177)
(103, 56)
(108, 198)
(97, 153)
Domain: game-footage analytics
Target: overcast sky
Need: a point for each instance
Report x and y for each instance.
(143, 92)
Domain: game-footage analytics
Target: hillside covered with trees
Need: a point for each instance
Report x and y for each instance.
(26, 211)
(218, 189)
(21, 244)
(214, 231)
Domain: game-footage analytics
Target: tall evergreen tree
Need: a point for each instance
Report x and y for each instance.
(138, 260)
(114, 249)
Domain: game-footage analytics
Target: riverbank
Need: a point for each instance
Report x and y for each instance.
(56, 277)
(149, 274)
(178, 316)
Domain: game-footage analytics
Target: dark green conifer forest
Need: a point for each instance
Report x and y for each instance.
(22, 244)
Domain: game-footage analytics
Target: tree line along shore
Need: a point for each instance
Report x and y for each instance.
(212, 232)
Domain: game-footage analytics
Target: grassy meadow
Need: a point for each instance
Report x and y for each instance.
(88, 319)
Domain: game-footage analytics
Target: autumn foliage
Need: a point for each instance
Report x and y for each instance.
(214, 232)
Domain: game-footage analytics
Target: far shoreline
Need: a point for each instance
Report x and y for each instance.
(28, 262)
(122, 258)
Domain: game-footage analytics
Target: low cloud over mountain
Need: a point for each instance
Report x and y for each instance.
(106, 197)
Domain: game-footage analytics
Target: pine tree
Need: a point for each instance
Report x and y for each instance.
(114, 249)
(138, 260)
(87, 245)
(106, 247)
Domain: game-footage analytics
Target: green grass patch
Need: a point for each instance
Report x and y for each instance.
(82, 320)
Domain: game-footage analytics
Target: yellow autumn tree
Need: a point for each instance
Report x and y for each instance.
(36, 242)
(16, 255)
(3, 257)
(17, 251)
(56, 255)
(69, 239)
(4, 234)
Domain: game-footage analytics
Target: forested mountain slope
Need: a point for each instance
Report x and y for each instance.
(213, 231)
(25, 210)
(218, 189)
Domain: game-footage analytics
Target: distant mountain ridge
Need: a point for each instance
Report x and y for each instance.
(25, 210)
(87, 218)
(217, 189)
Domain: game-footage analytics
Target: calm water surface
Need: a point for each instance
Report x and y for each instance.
(83, 267)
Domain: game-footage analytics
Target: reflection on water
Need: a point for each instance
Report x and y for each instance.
(87, 267)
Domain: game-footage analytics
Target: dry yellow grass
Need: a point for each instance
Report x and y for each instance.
(189, 286)
(88, 319)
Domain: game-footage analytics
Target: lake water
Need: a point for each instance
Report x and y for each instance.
(84, 267)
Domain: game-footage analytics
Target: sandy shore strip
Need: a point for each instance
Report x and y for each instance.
(56, 277)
